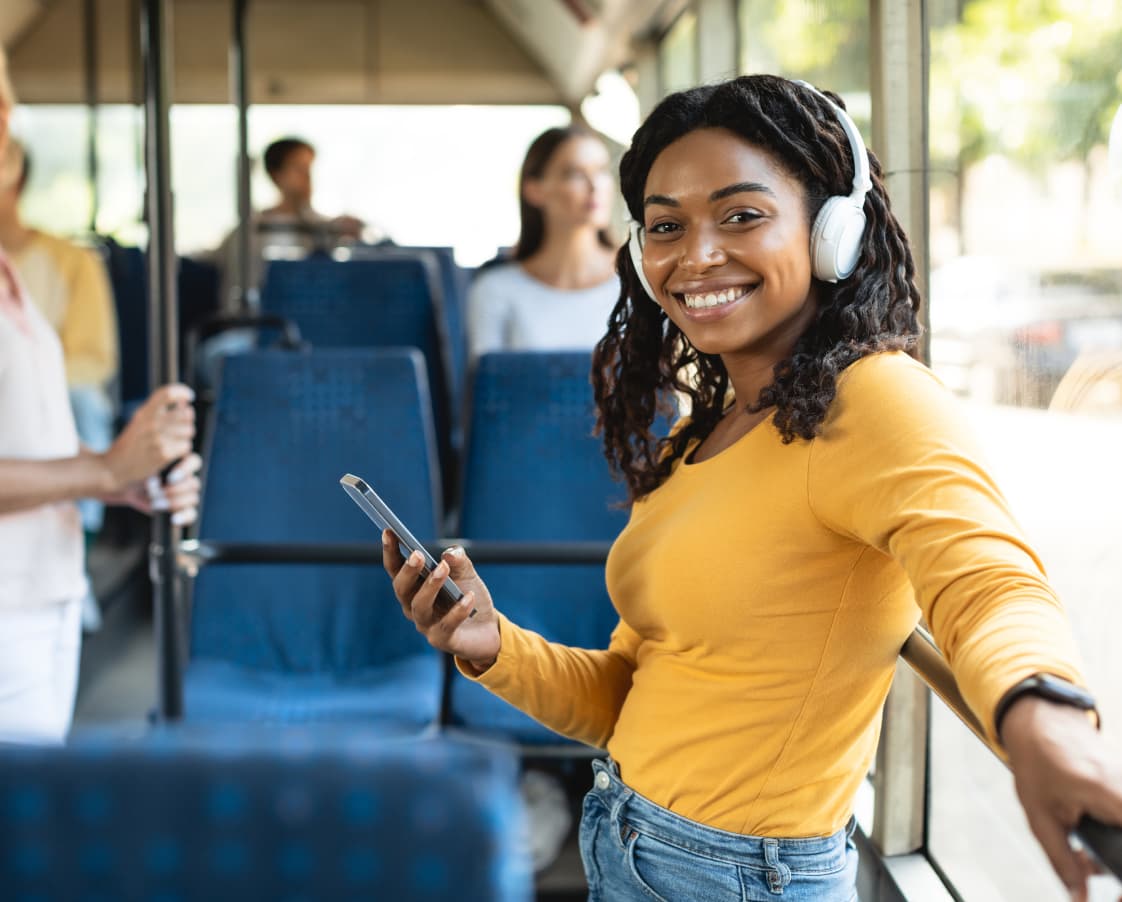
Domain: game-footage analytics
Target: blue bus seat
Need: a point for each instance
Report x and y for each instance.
(197, 283)
(453, 287)
(262, 813)
(302, 642)
(533, 471)
(128, 277)
(392, 298)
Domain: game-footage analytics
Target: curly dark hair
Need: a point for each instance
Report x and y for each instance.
(644, 358)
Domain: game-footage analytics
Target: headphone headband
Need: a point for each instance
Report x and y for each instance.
(862, 181)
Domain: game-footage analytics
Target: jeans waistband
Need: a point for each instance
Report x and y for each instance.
(646, 816)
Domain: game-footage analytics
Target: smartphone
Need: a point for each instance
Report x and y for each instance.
(378, 511)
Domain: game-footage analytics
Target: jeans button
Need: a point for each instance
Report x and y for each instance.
(603, 781)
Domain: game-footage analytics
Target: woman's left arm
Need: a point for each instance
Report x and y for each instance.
(897, 468)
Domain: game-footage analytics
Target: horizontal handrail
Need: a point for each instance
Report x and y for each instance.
(924, 657)
(195, 552)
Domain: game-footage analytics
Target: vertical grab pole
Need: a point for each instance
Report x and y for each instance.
(89, 17)
(239, 88)
(162, 335)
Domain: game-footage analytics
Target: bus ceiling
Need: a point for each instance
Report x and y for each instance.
(336, 51)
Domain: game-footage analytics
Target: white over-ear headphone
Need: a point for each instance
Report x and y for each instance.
(635, 247)
(835, 238)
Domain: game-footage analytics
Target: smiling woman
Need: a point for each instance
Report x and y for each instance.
(728, 188)
(782, 548)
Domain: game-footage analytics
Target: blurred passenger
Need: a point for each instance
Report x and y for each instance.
(291, 228)
(69, 286)
(44, 469)
(557, 291)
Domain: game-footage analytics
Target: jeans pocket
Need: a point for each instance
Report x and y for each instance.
(669, 873)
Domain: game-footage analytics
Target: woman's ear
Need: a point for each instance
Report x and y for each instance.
(532, 192)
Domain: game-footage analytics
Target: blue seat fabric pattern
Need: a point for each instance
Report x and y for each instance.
(386, 301)
(302, 641)
(236, 815)
(534, 472)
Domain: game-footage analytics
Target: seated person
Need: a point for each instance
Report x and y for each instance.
(290, 228)
(560, 287)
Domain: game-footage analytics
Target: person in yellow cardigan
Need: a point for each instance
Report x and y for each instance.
(821, 497)
(68, 284)
(67, 281)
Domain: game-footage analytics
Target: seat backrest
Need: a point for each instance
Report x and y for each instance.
(197, 284)
(453, 287)
(268, 814)
(533, 471)
(391, 299)
(128, 277)
(285, 427)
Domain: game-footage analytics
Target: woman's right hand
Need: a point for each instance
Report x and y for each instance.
(160, 432)
(472, 637)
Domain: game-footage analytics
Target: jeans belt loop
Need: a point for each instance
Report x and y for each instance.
(778, 874)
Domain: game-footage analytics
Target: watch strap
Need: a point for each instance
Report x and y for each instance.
(1045, 686)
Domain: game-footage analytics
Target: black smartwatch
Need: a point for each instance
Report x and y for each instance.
(1048, 687)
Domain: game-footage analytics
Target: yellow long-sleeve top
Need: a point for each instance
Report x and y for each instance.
(764, 595)
(69, 285)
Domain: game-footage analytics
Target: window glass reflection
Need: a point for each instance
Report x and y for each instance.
(1026, 325)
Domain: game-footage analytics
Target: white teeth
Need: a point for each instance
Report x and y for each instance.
(714, 298)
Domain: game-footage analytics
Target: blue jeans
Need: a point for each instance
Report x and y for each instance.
(634, 849)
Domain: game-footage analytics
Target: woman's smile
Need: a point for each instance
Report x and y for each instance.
(714, 302)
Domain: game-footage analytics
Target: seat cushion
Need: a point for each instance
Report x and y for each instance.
(478, 712)
(404, 695)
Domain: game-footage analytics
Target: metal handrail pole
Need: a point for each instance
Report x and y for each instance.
(924, 657)
(239, 89)
(162, 335)
(93, 92)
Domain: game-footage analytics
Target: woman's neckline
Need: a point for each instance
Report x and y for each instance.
(687, 458)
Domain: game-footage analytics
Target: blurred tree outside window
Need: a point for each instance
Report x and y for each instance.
(677, 55)
(824, 42)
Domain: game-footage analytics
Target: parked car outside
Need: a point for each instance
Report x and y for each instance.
(1007, 334)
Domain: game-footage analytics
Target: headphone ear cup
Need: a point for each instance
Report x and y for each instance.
(635, 248)
(835, 240)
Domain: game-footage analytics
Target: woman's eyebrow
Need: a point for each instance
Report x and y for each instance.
(741, 188)
(665, 200)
